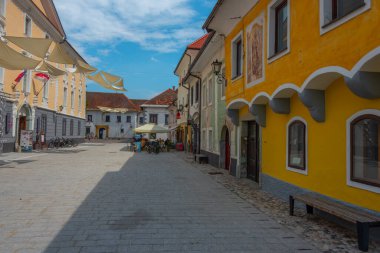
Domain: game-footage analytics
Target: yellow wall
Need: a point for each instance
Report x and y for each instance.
(310, 51)
(15, 19)
(326, 147)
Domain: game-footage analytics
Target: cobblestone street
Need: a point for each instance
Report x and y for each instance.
(97, 198)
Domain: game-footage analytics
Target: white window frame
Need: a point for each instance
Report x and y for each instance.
(306, 171)
(26, 16)
(272, 31)
(239, 36)
(348, 152)
(326, 28)
(210, 92)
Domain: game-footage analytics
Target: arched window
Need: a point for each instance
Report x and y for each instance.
(297, 145)
(365, 152)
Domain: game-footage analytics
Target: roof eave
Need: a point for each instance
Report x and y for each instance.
(212, 15)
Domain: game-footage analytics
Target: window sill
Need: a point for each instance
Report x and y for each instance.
(363, 186)
(278, 55)
(234, 79)
(299, 171)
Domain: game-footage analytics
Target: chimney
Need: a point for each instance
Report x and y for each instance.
(174, 88)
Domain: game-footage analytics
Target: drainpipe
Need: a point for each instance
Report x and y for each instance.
(199, 110)
(188, 104)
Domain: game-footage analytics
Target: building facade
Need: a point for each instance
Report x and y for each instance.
(110, 116)
(185, 133)
(302, 95)
(52, 109)
(158, 110)
(213, 119)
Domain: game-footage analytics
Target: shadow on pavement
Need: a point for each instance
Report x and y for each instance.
(107, 217)
(158, 203)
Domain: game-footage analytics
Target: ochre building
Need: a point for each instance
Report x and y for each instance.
(56, 109)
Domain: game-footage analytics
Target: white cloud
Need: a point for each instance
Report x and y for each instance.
(162, 26)
(153, 59)
(104, 52)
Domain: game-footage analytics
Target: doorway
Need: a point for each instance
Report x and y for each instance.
(101, 133)
(253, 151)
(21, 126)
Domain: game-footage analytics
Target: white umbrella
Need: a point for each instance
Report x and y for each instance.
(151, 129)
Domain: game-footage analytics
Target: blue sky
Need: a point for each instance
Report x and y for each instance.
(139, 40)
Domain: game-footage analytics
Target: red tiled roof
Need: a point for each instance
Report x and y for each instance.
(165, 98)
(110, 100)
(138, 102)
(198, 44)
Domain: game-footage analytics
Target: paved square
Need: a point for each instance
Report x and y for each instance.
(101, 199)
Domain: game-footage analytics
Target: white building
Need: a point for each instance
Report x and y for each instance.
(111, 115)
(160, 110)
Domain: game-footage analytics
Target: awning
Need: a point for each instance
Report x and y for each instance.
(13, 60)
(84, 68)
(111, 78)
(151, 129)
(59, 55)
(100, 79)
(119, 85)
(36, 46)
(53, 71)
(40, 48)
(117, 110)
(173, 128)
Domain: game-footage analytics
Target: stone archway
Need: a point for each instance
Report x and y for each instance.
(24, 121)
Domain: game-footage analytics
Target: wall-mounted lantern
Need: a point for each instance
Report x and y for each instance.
(217, 69)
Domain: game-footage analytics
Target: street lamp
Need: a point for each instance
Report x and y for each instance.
(217, 68)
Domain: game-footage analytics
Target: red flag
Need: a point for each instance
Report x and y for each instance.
(42, 77)
(20, 76)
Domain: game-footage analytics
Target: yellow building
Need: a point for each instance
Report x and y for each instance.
(53, 110)
(303, 95)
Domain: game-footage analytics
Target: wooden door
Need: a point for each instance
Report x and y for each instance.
(253, 151)
(21, 126)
